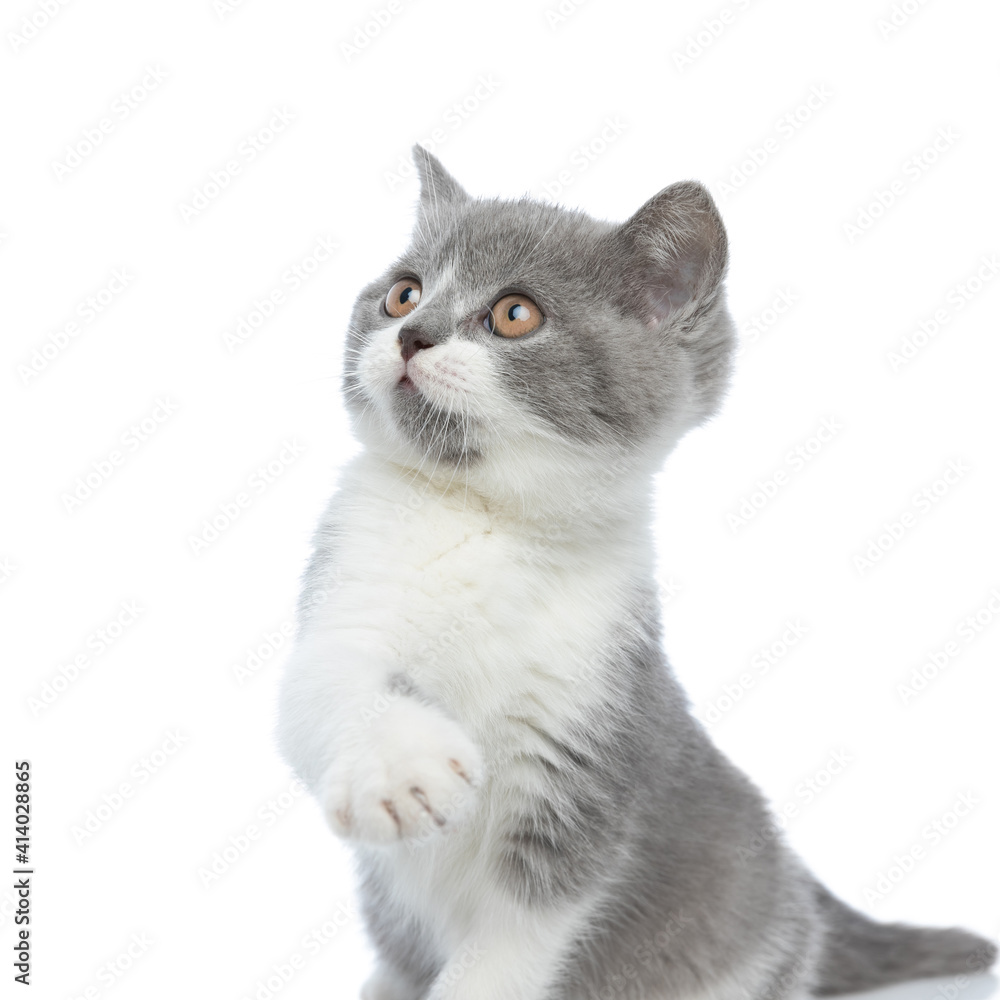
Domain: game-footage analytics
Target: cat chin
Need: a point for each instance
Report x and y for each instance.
(397, 438)
(481, 443)
(528, 480)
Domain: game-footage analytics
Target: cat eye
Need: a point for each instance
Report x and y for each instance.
(513, 316)
(403, 297)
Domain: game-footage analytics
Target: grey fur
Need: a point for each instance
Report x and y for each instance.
(588, 277)
(639, 809)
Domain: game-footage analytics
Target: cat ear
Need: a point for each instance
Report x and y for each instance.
(437, 186)
(676, 250)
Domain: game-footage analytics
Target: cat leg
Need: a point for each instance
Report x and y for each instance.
(384, 762)
(517, 953)
(413, 772)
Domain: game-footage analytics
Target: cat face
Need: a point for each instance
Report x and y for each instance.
(513, 333)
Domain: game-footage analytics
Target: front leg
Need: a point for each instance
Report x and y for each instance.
(384, 762)
(517, 953)
(411, 770)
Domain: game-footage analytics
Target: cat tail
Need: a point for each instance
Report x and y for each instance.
(860, 954)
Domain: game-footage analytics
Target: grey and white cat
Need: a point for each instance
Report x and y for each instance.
(478, 696)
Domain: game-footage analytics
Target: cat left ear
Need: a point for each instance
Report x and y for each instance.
(676, 250)
(437, 186)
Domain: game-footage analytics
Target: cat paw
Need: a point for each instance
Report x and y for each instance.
(416, 772)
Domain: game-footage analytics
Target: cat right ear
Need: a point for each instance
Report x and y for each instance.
(437, 186)
(675, 251)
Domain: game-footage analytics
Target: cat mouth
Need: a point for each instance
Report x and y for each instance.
(430, 423)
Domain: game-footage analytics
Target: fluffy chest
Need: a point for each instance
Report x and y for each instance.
(496, 620)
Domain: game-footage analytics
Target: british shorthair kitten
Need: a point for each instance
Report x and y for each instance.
(478, 697)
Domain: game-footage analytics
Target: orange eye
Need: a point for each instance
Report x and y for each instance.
(403, 297)
(514, 316)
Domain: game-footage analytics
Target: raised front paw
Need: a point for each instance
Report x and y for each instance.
(413, 773)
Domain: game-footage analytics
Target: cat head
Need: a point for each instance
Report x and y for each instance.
(520, 348)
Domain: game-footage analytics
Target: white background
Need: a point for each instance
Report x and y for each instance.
(548, 86)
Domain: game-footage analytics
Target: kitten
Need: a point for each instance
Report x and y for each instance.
(478, 697)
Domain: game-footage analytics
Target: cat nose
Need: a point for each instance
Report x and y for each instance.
(412, 340)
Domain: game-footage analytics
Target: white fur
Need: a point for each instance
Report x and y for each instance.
(434, 596)
(497, 616)
(513, 956)
(416, 770)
